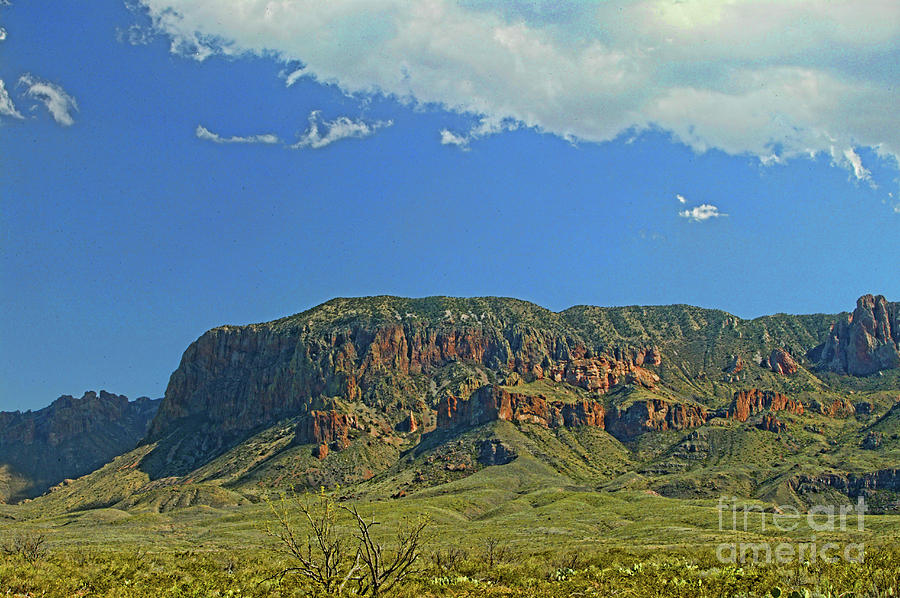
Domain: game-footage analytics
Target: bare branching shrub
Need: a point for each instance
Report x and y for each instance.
(28, 545)
(318, 551)
(448, 560)
(382, 571)
(495, 551)
(331, 557)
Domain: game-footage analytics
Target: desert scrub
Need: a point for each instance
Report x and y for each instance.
(132, 573)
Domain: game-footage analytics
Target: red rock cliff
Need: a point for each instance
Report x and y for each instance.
(747, 402)
(867, 341)
(649, 415)
(492, 403)
(325, 427)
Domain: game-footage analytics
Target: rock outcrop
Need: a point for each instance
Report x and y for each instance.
(735, 365)
(653, 415)
(781, 362)
(838, 408)
(492, 403)
(326, 428)
(747, 402)
(408, 424)
(770, 423)
(852, 484)
(69, 438)
(599, 374)
(867, 341)
(495, 452)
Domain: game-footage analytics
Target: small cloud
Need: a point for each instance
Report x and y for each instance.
(701, 213)
(136, 35)
(204, 133)
(897, 209)
(58, 102)
(6, 106)
(2, 34)
(681, 198)
(451, 138)
(337, 129)
(487, 126)
(855, 161)
(292, 77)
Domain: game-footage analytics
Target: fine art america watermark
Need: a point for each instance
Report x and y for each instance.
(737, 516)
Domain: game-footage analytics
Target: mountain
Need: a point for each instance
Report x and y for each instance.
(67, 439)
(865, 342)
(387, 396)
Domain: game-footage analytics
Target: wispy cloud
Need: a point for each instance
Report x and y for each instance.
(680, 198)
(701, 213)
(855, 161)
(2, 34)
(136, 35)
(204, 133)
(6, 105)
(58, 102)
(335, 130)
(486, 126)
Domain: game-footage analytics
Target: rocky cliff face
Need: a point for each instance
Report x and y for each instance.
(599, 374)
(383, 352)
(326, 427)
(865, 342)
(69, 438)
(852, 484)
(654, 415)
(492, 403)
(395, 356)
(747, 402)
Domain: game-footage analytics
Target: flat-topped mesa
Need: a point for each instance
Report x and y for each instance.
(653, 415)
(865, 342)
(747, 402)
(239, 377)
(492, 403)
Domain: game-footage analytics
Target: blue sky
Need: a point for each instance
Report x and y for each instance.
(167, 166)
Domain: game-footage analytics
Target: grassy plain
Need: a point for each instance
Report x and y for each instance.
(554, 539)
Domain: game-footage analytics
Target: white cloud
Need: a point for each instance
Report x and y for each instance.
(681, 198)
(6, 105)
(2, 34)
(486, 126)
(204, 133)
(855, 161)
(701, 213)
(293, 76)
(775, 79)
(451, 138)
(335, 130)
(58, 102)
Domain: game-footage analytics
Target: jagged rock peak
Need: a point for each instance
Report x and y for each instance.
(866, 341)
